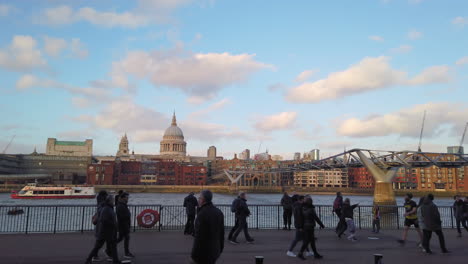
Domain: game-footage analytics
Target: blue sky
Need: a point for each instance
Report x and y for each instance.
(291, 77)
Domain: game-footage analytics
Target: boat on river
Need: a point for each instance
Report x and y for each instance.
(34, 191)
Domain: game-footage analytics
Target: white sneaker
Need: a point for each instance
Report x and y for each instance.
(309, 254)
(290, 254)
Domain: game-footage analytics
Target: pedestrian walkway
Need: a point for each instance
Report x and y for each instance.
(174, 247)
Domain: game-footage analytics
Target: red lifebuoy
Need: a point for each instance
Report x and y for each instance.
(148, 218)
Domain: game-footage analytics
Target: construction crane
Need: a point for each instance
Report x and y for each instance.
(422, 130)
(460, 149)
(8, 145)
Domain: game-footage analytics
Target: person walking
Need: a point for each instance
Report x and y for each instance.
(287, 203)
(411, 218)
(347, 212)
(310, 219)
(432, 223)
(242, 212)
(117, 197)
(106, 231)
(209, 231)
(191, 205)
(376, 219)
(100, 199)
(298, 224)
(458, 212)
(337, 205)
(124, 223)
(236, 221)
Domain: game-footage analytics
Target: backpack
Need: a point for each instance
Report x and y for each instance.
(234, 206)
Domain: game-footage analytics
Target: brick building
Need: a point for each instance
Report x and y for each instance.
(360, 178)
(322, 178)
(101, 173)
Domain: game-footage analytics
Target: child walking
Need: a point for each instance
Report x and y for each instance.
(376, 219)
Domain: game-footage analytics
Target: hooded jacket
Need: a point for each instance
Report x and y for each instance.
(310, 217)
(458, 209)
(431, 215)
(190, 204)
(106, 228)
(287, 202)
(298, 215)
(347, 210)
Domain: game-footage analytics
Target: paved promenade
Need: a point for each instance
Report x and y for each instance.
(174, 247)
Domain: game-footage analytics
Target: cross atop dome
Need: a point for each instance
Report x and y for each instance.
(174, 119)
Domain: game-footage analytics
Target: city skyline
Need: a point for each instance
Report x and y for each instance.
(290, 78)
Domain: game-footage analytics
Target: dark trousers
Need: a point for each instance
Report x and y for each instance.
(376, 225)
(125, 236)
(234, 228)
(111, 249)
(242, 226)
(461, 222)
(298, 237)
(341, 226)
(427, 234)
(190, 225)
(309, 238)
(287, 215)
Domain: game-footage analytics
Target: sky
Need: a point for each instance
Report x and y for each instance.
(280, 76)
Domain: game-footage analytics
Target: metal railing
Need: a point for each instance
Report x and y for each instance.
(77, 218)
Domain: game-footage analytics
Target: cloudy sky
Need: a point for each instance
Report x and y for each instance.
(287, 77)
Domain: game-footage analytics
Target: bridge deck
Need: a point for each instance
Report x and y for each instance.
(173, 247)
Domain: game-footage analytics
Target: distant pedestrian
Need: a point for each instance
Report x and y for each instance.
(465, 211)
(432, 223)
(459, 213)
(242, 212)
(191, 205)
(287, 203)
(236, 221)
(411, 218)
(117, 197)
(299, 225)
(124, 222)
(209, 231)
(308, 225)
(106, 231)
(347, 212)
(100, 199)
(337, 205)
(376, 219)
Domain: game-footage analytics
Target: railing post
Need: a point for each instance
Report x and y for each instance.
(55, 220)
(397, 217)
(27, 220)
(278, 216)
(451, 216)
(257, 214)
(82, 219)
(359, 214)
(134, 218)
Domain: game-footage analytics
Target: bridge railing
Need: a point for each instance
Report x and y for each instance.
(78, 218)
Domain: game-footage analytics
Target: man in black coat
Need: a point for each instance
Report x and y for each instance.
(287, 203)
(310, 219)
(190, 204)
(458, 212)
(242, 212)
(432, 223)
(124, 221)
(209, 231)
(106, 231)
(298, 224)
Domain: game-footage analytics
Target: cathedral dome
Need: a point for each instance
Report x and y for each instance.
(174, 132)
(173, 140)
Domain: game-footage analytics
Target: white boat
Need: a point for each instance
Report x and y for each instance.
(33, 191)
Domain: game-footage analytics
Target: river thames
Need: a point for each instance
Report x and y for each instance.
(177, 199)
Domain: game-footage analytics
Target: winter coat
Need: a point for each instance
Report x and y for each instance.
(347, 210)
(458, 209)
(209, 235)
(123, 218)
(190, 204)
(310, 217)
(106, 228)
(287, 202)
(242, 209)
(431, 215)
(421, 223)
(298, 215)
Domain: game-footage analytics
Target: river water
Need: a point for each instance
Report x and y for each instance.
(178, 198)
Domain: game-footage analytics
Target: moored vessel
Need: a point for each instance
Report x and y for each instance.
(34, 191)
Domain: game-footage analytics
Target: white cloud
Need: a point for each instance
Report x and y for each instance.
(146, 12)
(305, 75)
(368, 75)
(460, 21)
(413, 35)
(432, 75)
(197, 74)
(376, 38)
(407, 122)
(22, 55)
(54, 46)
(211, 108)
(5, 10)
(78, 49)
(402, 49)
(280, 121)
(462, 61)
